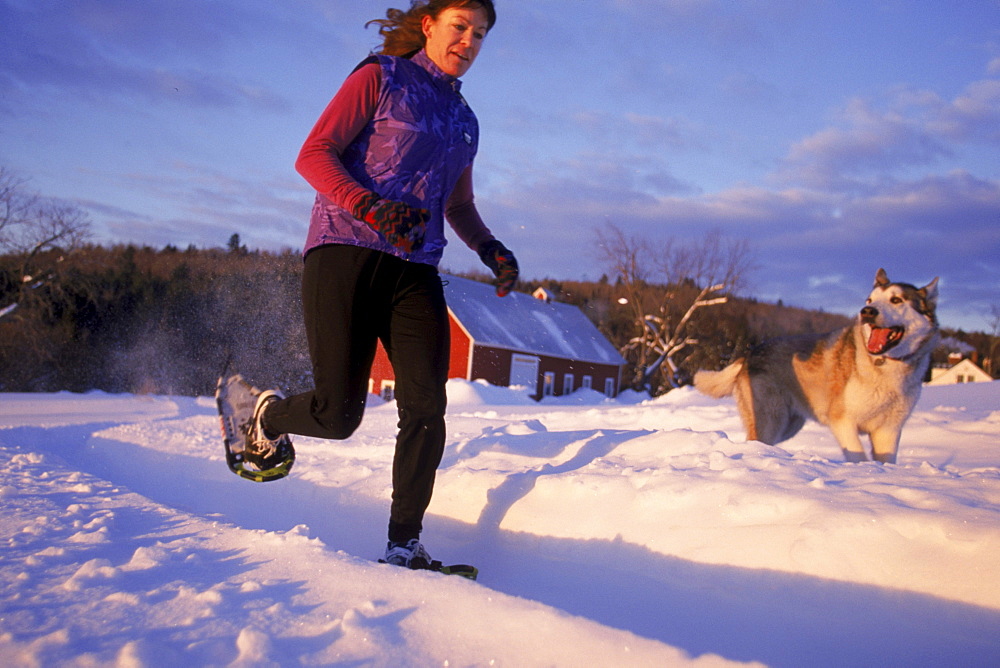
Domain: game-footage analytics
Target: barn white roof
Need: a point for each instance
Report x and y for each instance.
(522, 323)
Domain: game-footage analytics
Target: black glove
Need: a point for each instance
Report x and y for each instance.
(501, 262)
(400, 224)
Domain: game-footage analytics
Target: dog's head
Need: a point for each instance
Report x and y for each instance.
(898, 318)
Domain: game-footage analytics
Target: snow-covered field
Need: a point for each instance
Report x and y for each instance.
(608, 533)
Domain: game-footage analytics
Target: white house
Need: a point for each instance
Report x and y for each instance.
(965, 371)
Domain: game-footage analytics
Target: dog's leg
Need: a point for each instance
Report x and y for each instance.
(763, 409)
(744, 394)
(847, 436)
(793, 425)
(885, 443)
(771, 424)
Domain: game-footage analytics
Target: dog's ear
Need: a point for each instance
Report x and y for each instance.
(881, 279)
(929, 293)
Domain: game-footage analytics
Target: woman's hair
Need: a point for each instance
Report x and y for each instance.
(402, 32)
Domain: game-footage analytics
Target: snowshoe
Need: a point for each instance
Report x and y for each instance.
(249, 453)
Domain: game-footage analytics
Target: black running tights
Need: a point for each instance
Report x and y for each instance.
(353, 297)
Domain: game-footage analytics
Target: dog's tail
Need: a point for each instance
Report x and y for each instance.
(718, 384)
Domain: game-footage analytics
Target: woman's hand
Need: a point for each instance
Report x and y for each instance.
(400, 224)
(501, 261)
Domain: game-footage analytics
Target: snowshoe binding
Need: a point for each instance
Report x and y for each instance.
(412, 555)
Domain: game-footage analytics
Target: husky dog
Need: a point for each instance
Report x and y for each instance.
(863, 378)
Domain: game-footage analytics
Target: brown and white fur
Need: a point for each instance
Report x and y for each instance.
(864, 378)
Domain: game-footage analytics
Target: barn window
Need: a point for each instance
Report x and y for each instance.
(587, 382)
(609, 387)
(568, 381)
(548, 384)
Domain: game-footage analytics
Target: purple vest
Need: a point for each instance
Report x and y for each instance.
(422, 137)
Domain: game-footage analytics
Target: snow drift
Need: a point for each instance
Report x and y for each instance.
(623, 532)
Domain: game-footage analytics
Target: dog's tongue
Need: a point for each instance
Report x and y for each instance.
(878, 340)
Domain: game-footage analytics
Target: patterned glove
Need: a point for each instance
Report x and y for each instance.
(501, 262)
(400, 224)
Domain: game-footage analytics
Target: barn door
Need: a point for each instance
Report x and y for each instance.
(524, 372)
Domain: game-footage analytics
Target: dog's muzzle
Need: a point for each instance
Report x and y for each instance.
(879, 340)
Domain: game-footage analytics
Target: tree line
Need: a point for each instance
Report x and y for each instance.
(78, 316)
(135, 319)
(165, 321)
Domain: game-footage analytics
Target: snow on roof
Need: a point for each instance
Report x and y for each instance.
(523, 323)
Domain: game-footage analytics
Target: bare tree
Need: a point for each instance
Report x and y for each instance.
(15, 205)
(715, 259)
(662, 340)
(627, 258)
(36, 232)
(994, 321)
(694, 276)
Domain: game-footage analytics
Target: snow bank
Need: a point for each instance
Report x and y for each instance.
(632, 532)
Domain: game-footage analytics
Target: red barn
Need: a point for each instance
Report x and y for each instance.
(547, 347)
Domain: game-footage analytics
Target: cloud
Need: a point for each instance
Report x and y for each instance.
(823, 281)
(153, 27)
(154, 50)
(726, 25)
(203, 206)
(597, 156)
(973, 116)
(917, 128)
(585, 184)
(614, 130)
(866, 142)
(815, 248)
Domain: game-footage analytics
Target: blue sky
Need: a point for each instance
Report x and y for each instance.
(835, 136)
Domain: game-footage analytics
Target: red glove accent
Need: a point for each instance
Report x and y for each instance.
(400, 224)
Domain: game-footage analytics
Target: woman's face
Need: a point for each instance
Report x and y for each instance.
(454, 38)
